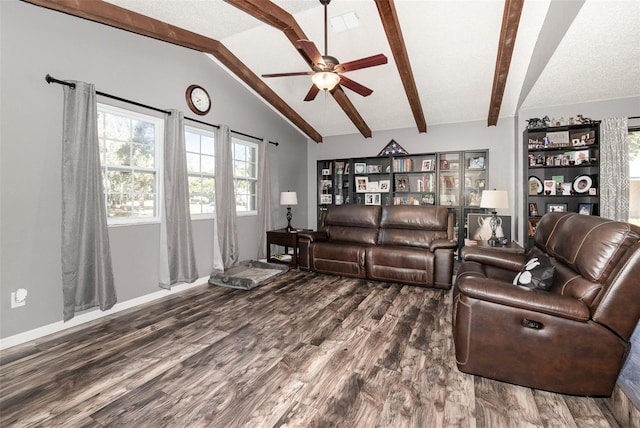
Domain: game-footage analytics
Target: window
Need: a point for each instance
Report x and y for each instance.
(130, 150)
(634, 175)
(245, 175)
(200, 147)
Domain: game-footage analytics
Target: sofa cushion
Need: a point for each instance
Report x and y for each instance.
(412, 225)
(537, 273)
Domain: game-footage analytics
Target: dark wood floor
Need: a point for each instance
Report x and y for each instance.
(304, 351)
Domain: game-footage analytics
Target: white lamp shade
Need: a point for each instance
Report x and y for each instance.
(494, 199)
(325, 80)
(288, 198)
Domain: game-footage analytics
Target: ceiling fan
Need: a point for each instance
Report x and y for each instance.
(327, 70)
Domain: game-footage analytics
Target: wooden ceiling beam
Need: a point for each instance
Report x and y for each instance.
(115, 16)
(508, 33)
(272, 14)
(389, 18)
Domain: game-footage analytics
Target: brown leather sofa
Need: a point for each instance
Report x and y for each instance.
(572, 338)
(410, 244)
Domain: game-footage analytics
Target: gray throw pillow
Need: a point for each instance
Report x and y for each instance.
(537, 273)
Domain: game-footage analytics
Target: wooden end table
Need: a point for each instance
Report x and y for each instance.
(510, 247)
(287, 240)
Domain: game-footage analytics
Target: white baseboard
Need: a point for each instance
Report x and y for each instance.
(92, 315)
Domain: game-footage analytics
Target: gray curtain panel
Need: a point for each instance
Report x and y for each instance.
(264, 198)
(226, 199)
(177, 257)
(87, 274)
(614, 169)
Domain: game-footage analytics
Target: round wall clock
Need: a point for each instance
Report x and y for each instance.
(198, 100)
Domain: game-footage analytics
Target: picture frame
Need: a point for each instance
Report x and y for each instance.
(372, 199)
(326, 199)
(428, 198)
(533, 225)
(372, 186)
(549, 187)
(427, 164)
(480, 182)
(479, 229)
(476, 162)
(585, 209)
(401, 183)
(326, 186)
(326, 171)
(374, 169)
(361, 184)
(360, 168)
(533, 210)
(556, 208)
(384, 185)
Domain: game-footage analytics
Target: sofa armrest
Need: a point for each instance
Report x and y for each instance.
(519, 297)
(504, 260)
(438, 244)
(313, 236)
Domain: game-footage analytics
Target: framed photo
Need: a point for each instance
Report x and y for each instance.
(374, 169)
(402, 183)
(372, 199)
(428, 198)
(360, 168)
(533, 225)
(566, 188)
(384, 185)
(340, 167)
(549, 187)
(479, 227)
(325, 199)
(533, 210)
(585, 209)
(476, 163)
(325, 186)
(427, 164)
(480, 183)
(556, 208)
(326, 171)
(372, 186)
(361, 184)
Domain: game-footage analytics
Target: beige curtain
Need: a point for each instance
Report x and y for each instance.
(264, 198)
(225, 199)
(614, 169)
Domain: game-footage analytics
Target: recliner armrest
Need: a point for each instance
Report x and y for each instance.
(313, 236)
(438, 244)
(519, 297)
(501, 259)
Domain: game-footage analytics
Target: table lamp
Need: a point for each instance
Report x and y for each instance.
(289, 198)
(494, 200)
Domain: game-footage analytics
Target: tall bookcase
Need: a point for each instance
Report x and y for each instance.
(453, 179)
(563, 171)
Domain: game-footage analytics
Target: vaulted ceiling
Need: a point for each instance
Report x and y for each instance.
(448, 61)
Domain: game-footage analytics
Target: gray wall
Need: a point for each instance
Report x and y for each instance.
(36, 41)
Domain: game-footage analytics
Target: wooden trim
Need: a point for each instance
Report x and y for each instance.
(124, 19)
(279, 18)
(508, 33)
(389, 18)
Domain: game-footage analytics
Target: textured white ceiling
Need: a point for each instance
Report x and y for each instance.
(452, 46)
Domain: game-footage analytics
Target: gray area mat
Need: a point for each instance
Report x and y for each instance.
(248, 274)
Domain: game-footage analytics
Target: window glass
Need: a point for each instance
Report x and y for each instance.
(200, 145)
(130, 146)
(245, 174)
(634, 175)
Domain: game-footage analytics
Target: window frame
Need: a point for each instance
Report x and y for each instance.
(159, 124)
(238, 139)
(211, 134)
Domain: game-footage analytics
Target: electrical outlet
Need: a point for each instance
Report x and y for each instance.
(18, 298)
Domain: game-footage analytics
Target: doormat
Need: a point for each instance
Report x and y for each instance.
(248, 274)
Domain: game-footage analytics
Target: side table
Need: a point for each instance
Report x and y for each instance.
(510, 247)
(287, 240)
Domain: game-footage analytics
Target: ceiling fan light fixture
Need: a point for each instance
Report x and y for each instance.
(325, 80)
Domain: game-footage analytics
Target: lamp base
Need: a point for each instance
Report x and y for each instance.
(289, 217)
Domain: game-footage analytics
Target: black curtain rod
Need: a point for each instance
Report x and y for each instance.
(634, 117)
(50, 79)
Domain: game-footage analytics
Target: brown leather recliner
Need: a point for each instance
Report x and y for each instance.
(573, 338)
(410, 244)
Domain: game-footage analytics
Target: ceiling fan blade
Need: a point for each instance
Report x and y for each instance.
(311, 51)
(370, 61)
(311, 95)
(355, 86)
(297, 73)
